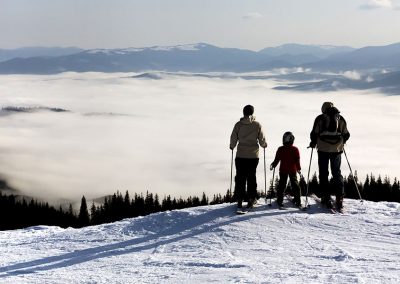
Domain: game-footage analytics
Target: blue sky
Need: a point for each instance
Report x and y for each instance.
(250, 24)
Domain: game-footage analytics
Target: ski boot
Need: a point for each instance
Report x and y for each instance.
(339, 204)
(327, 202)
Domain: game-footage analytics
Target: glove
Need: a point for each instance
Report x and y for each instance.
(271, 167)
(312, 145)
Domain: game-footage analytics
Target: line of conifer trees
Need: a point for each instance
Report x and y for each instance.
(373, 189)
(17, 212)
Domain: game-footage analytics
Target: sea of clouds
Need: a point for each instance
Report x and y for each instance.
(168, 135)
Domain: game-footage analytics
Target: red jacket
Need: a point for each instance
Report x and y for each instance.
(289, 156)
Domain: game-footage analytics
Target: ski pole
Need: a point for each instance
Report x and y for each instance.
(230, 186)
(351, 172)
(308, 178)
(272, 188)
(265, 177)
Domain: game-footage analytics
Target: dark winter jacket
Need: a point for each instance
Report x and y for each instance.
(328, 141)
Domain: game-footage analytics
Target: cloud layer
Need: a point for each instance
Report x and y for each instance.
(253, 15)
(168, 136)
(379, 4)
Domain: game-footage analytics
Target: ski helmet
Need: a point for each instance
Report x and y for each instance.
(248, 110)
(288, 138)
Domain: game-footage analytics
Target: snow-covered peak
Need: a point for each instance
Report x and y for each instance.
(177, 47)
(99, 50)
(184, 47)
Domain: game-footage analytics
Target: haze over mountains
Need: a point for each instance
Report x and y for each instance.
(320, 67)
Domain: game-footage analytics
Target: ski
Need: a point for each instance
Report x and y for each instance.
(291, 199)
(332, 210)
(244, 210)
(241, 212)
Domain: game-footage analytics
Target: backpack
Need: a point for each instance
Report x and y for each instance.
(330, 126)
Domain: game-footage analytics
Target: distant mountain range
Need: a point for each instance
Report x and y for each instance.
(314, 52)
(371, 57)
(199, 57)
(26, 52)
(388, 83)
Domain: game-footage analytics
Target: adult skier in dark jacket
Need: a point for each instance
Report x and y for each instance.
(249, 133)
(328, 135)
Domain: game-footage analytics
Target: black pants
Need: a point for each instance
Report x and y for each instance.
(335, 159)
(246, 174)
(282, 186)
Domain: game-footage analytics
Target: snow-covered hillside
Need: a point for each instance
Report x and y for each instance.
(212, 244)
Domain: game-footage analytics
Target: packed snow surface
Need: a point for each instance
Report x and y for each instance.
(213, 244)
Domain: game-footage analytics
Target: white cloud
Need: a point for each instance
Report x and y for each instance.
(253, 15)
(336, 84)
(377, 4)
(369, 79)
(352, 75)
(175, 134)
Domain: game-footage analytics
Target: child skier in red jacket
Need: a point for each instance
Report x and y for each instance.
(289, 157)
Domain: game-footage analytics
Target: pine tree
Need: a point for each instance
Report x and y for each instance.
(166, 203)
(94, 214)
(228, 196)
(83, 217)
(204, 199)
(367, 188)
(149, 203)
(127, 205)
(157, 206)
(313, 186)
(396, 190)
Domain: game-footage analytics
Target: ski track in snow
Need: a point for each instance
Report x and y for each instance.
(212, 244)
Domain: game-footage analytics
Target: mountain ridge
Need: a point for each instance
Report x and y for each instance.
(202, 57)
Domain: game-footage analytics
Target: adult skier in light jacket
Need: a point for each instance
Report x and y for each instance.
(249, 133)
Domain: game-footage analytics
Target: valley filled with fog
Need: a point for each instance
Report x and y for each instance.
(74, 134)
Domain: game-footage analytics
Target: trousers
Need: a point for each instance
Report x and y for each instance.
(334, 159)
(246, 175)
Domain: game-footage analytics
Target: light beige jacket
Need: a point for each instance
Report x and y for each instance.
(250, 135)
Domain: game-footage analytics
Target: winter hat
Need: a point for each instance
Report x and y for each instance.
(325, 106)
(248, 110)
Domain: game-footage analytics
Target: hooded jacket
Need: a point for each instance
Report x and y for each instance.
(334, 145)
(250, 135)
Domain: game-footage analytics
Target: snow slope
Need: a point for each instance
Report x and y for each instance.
(212, 244)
